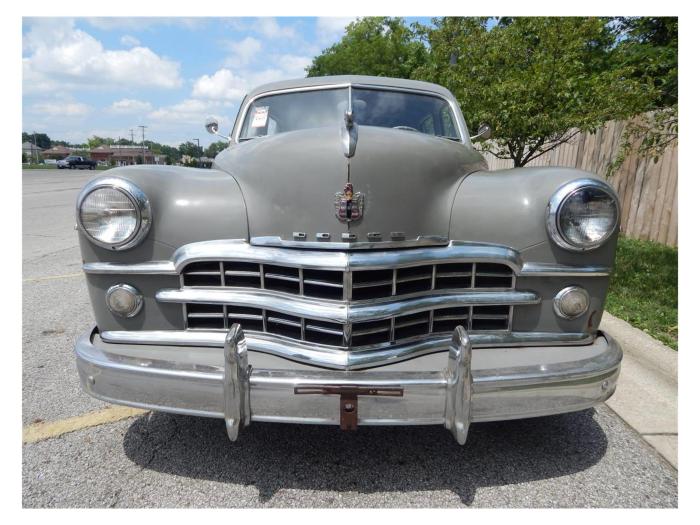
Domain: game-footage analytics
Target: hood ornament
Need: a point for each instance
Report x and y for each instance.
(348, 204)
(348, 134)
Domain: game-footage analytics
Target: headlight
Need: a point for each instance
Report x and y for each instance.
(114, 213)
(582, 215)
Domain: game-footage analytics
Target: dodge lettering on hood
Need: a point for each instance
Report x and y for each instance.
(349, 260)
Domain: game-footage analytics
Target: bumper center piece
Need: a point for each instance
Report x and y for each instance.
(456, 382)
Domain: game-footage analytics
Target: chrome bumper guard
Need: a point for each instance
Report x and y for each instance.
(238, 393)
(457, 385)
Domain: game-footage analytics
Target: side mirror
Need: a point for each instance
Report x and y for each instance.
(483, 133)
(212, 127)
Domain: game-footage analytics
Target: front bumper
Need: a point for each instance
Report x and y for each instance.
(451, 388)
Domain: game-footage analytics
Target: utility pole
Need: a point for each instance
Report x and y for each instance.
(132, 143)
(143, 141)
(199, 156)
(36, 152)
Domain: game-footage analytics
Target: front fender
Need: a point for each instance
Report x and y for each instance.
(188, 205)
(508, 207)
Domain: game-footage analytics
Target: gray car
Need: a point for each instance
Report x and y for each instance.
(349, 260)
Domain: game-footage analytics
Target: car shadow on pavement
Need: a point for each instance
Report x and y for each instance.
(372, 459)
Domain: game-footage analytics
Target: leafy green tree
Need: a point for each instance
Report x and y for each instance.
(649, 45)
(215, 148)
(42, 139)
(381, 46)
(172, 155)
(538, 81)
(95, 141)
(190, 149)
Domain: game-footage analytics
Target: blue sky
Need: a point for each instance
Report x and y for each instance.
(105, 76)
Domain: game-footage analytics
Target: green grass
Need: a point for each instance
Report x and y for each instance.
(38, 166)
(644, 288)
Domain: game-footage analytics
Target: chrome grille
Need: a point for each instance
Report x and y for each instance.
(355, 286)
(366, 333)
(359, 284)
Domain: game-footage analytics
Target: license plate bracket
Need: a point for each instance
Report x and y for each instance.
(349, 398)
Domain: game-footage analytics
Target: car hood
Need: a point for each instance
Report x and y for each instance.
(408, 181)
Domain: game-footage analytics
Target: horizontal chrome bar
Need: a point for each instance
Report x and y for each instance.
(242, 251)
(341, 312)
(428, 240)
(536, 269)
(337, 358)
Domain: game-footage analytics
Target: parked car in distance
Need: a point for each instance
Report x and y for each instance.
(75, 162)
(349, 259)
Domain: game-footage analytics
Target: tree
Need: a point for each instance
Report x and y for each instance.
(95, 141)
(190, 149)
(42, 139)
(538, 81)
(649, 45)
(215, 148)
(381, 46)
(172, 155)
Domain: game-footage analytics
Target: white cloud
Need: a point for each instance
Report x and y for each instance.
(293, 65)
(243, 52)
(129, 105)
(222, 85)
(60, 109)
(189, 111)
(129, 41)
(331, 28)
(62, 56)
(269, 27)
(227, 85)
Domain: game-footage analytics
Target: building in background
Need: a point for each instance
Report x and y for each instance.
(125, 155)
(57, 152)
(32, 152)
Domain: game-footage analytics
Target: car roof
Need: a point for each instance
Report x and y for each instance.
(351, 79)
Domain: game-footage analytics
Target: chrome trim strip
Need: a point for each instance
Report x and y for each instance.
(457, 113)
(339, 311)
(421, 240)
(331, 357)
(536, 269)
(145, 268)
(240, 250)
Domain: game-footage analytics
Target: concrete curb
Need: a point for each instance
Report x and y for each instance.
(647, 390)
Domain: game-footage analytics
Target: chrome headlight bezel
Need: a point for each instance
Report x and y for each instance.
(561, 196)
(134, 194)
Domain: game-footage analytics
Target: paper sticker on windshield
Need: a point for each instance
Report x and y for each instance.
(260, 117)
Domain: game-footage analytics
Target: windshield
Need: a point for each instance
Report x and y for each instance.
(274, 114)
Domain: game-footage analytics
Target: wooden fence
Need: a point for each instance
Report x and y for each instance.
(648, 191)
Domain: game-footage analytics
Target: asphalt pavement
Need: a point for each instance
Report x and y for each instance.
(585, 459)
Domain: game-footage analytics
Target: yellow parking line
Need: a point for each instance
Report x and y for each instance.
(52, 277)
(51, 429)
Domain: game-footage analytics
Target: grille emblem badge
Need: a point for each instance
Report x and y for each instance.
(348, 204)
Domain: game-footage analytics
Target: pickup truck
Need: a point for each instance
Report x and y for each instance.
(75, 162)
